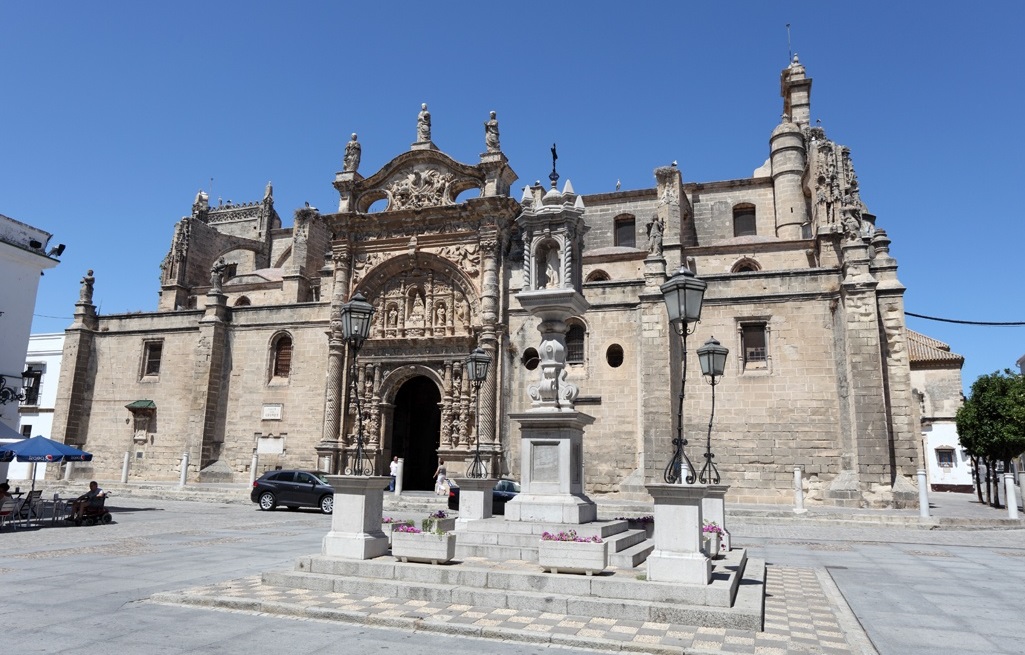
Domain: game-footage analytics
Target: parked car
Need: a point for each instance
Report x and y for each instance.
(504, 491)
(293, 489)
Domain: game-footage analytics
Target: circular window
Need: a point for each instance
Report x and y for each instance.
(614, 355)
(530, 359)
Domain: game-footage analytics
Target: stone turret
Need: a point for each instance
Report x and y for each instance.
(789, 160)
(795, 88)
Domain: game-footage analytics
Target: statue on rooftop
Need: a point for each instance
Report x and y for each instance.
(353, 149)
(85, 295)
(655, 229)
(491, 134)
(423, 125)
(217, 274)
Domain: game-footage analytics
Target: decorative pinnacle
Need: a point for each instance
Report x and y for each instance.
(554, 176)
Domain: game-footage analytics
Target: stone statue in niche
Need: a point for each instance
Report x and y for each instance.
(423, 125)
(416, 314)
(353, 151)
(393, 316)
(548, 269)
(440, 313)
(491, 134)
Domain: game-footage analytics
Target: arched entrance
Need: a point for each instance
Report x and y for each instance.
(417, 430)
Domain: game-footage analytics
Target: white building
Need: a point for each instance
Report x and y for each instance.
(43, 361)
(24, 255)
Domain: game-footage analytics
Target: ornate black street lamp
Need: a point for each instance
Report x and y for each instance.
(477, 369)
(8, 394)
(356, 315)
(683, 295)
(712, 357)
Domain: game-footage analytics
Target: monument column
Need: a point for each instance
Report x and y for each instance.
(328, 448)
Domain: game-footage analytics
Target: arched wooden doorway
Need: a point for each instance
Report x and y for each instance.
(416, 431)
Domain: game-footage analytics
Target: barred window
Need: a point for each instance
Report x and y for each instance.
(754, 344)
(625, 232)
(744, 223)
(575, 345)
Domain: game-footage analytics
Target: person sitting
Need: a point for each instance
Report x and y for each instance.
(5, 492)
(92, 498)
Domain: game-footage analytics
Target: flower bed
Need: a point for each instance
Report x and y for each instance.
(438, 522)
(388, 525)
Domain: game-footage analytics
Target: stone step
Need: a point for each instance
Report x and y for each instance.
(633, 556)
(723, 603)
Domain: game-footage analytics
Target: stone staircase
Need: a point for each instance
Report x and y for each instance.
(498, 539)
(734, 599)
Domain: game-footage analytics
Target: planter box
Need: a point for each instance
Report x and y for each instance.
(713, 544)
(423, 547)
(386, 528)
(573, 556)
(445, 525)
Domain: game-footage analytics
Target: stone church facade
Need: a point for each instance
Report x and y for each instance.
(245, 353)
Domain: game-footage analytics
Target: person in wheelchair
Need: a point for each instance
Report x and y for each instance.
(90, 499)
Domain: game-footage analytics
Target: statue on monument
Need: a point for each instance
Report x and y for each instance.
(85, 295)
(423, 125)
(491, 134)
(552, 268)
(353, 150)
(217, 274)
(655, 229)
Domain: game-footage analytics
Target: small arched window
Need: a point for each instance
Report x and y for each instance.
(530, 359)
(625, 231)
(281, 365)
(744, 224)
(598, 276)
(575, 344)
(746, 266)
(243, 301)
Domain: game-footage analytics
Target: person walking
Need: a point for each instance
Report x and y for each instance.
(393, 470)
(441, 479)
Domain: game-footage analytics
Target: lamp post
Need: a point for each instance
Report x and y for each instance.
(477, 369)
(356, 315)
(8, 394)
(712, 357)
(683, 294)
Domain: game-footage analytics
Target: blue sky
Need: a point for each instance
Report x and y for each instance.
(116, 113)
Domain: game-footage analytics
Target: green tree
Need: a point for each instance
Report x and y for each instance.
(991, 423)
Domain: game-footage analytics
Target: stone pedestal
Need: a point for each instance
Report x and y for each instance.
(475, 499)
(713, 509)
(356, 521)
(678, 539)
(552, 469)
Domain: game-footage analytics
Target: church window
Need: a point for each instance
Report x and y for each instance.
(151, 353)
(746, 266)
(614, 355)
(230, 271)
(626, 233)
(530, 359)
(282, 363)
(744, 221)
(243, 301)
(754, 346)
(575, 344)
(598, 276)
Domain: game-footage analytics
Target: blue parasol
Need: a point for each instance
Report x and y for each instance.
(41, 449)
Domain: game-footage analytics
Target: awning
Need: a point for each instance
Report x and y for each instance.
(140, 404)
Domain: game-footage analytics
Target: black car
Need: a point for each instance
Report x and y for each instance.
(503, 492)
(293, 489)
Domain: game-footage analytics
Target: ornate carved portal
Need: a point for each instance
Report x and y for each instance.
(427, 318)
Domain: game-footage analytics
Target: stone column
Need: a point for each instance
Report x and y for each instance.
(678, 538)
(356, 521)
(333, 387)
(489, 337)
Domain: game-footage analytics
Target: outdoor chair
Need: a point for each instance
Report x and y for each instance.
(8, 513)
(32, 506)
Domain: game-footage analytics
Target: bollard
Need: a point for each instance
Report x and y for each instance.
(67, 470)
(252, 469)
(798, 492)
(923, 495)
(1011, 501)
(185, 469)
(1021, 487)
(398, 476)
(124, 468)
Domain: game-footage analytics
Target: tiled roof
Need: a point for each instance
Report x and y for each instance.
(926, 350)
